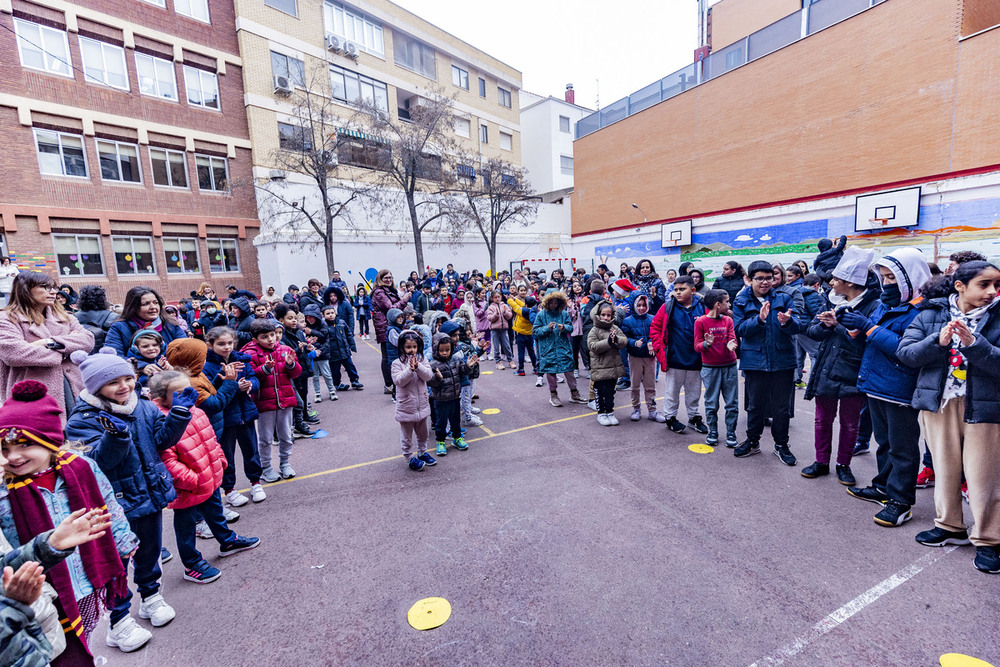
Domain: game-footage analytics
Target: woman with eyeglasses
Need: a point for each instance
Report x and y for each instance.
(36, 338)
(385, 296)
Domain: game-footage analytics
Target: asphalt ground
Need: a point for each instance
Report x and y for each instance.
(561, 542)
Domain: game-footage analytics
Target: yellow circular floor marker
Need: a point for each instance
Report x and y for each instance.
(701, 449)
(960, 660)
(486, 372)
(429, 613)
(491, 411)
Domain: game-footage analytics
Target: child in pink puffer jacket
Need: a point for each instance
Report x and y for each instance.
(410, 373)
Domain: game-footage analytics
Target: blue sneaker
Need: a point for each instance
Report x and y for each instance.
(202, 573)
(460, 444)
(165, 555)
(441, 449)
(238, 545)
(428, 459)
(862, 448)
(416, 464)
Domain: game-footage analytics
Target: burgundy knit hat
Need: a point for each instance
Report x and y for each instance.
(32, 412)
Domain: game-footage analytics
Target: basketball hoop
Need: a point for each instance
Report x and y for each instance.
(670, 243)
(878, 222)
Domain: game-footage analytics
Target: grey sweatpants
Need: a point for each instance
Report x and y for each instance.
(268, 423)
(407, 432)
(677, 379)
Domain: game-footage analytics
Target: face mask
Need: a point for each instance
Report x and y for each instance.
(891, 295)
(210, 311)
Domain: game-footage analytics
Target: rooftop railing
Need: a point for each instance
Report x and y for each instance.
(815, 16)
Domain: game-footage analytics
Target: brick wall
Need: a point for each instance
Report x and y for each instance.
(732, 20)
(979, 15)
(870, 100)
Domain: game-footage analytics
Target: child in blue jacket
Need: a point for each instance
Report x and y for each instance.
(363, 310)
(642, 361)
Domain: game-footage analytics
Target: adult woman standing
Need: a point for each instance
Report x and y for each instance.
(732, 280)
(36, 339)
(8, 270)
(143, 309)
(650, 284)
(385, 297)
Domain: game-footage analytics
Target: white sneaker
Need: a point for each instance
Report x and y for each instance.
(257, 493)
(287, 472)
(576, 374)
(156, 609)
(203, 531)
(538, 381)
(592, 405)
(613, 420)
(560, 379)
(127, 635)
(319, 398)
(236, 499)
(475, 421)
(602, 419)
(636, 415)
(232, 516)
(475, 410)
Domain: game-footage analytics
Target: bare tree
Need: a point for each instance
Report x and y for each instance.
(493, 198)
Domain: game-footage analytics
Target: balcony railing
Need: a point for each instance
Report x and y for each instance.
(818, 15)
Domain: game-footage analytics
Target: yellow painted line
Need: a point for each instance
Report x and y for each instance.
(488, 432)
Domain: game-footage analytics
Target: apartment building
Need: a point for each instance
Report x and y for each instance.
(548, 126)
(123, 126)
(366, 50)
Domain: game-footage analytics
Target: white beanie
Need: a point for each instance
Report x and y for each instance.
(853, 266)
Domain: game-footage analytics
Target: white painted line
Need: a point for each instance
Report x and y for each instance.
(831, 622)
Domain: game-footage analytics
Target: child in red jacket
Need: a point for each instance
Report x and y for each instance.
(196, 463)
(276, 366)
(715, 340)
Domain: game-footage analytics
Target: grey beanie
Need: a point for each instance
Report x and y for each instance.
(101, 368)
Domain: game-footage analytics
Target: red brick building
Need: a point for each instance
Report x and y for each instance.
(123, 126)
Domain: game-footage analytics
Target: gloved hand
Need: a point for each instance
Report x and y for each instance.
(111, 424)
(853, 320)
(186, 399)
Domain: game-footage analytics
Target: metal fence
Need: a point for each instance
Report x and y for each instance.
(816, 16)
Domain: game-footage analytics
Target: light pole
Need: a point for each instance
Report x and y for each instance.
(636, 207)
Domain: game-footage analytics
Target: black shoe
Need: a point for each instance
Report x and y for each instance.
(343, 386)
(988, 559)
(623, 385)
(674, 425)
(698, 424)
(357, 385)
(939, 537)
(785, 454)
(894, 513)
(845, 475)
(815, 470)
(302, 431)
(869, 494)
(311, 420)
(747, 448)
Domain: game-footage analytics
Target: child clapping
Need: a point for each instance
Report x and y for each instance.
(410, 373)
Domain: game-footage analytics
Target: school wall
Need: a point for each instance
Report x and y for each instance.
(732, 20)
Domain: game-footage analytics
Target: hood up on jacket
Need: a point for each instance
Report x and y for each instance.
(392, 315)
(449, 327)
(335, 290)
(436, 343)
(635, 302)
(312, 310)
(188, 353)
(243, 304)
(909, 267)
(432, 317)
(557, 299)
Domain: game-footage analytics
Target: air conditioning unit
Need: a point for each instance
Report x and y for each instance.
(282, 85)
(351, 50)
(334, 43)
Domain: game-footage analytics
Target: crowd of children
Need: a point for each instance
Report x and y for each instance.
(165, 407)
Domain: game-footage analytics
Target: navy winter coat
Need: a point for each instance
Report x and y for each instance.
(919, 349)
(838, 359)
(241, 409)
(765, 346)
(131, 461)
(816, 302)
(636, 328)
(882, 374)
(120, 336)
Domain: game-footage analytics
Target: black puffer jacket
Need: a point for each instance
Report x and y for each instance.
(919, 348)
(838, 361)
(731, 284)
(448, 387)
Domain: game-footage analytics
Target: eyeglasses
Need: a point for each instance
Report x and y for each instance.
(50, 288)
(763, 279)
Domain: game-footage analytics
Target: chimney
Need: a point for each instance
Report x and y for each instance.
(570, 95)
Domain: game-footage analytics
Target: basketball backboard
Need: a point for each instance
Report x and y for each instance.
(675, 234)
(881, 210)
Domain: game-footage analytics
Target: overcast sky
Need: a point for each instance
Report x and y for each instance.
(626, 45)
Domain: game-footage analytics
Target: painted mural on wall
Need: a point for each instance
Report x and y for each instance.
(941, 230)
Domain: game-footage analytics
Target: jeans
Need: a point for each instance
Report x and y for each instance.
(865, 425)
(246, 436)
(690, 381)
(605, 390)
(322, 369)
(363, 326)
(269, 422)
(386, 374)
(145, 563)
(579, 349)
(804, 345)
(850, 413)
(301, 385)
(348, 366)
(627, 378)
(722, 380)
(448, 414)
(526, 343)
(897, 431)
(465, 402)
(769, 391)
(501, 343)
(184, 522)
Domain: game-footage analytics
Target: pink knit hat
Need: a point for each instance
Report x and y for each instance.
(30, 411)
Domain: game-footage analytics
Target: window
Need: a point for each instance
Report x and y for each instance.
(222, 256)
(78, 255)
(503, 97)
(158, 3)
(566, 164)
(104, 63)
(287, 6)
(169, 167)
(202, 88)
(462, 127)
(364, 152)
(413, 55)
(508, 180)
(156, 77)
(60, 154)
(119, 162)
(43, 48)
(196, 9)
(354, 26)
(429, 167)
(484, 134)
(291, 68)
(133, 255)
(482, 87)
(181, 255)
(506, 141)
(466, 171)
(293, 137)
(351, 87)
(564, 124)
(213, 173)
(459, 77)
